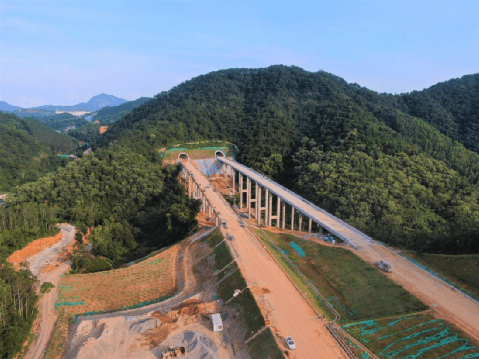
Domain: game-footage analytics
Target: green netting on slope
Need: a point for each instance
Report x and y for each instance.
(297, 249)
(177, 149)
(424, 337)
(69, 304)
(136, 306)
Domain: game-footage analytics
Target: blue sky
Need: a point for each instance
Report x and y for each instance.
(65, 52)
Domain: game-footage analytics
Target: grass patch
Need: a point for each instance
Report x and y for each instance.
(232, 268)
(245, 303)
(414, 336)
(214, 238)
(46, 287)
(264, 347)
(250, 313)
(57, 344)
(461, 270)
(352, 286)
(313, 298)
(222, 256)
(226, 288)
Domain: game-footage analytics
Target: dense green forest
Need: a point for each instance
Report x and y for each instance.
(112, 114)
(28, 150)
(62, 121)
(134, 203)
(360, 155)
(19, 225)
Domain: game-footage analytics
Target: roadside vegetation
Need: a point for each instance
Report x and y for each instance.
(352, 286)
(460, 270)
(384, 317)
(249, 315)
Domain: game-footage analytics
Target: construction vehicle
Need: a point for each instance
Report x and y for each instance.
(384, 266)
(329, 238)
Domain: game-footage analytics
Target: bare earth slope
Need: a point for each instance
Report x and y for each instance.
(36, 263)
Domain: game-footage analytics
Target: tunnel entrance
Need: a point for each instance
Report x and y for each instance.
(219, 154)
(183, 157)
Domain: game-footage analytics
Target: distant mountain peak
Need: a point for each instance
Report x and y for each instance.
(4, 106)
(94, 104)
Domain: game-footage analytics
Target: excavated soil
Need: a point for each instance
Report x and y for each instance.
(33, 248)
(148, 336)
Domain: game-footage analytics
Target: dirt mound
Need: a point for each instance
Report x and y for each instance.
(143, 325)
(31, 249)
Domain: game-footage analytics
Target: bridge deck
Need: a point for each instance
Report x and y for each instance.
(332, 224)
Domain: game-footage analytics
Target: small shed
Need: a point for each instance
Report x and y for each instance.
(217, 322)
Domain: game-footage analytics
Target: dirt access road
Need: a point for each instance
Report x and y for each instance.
(289, 313)
(452, 304)
(48, 257)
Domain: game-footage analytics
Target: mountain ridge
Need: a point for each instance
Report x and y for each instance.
(360, 155)
(95, 103)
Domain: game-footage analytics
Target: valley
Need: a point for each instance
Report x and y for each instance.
(303, 142)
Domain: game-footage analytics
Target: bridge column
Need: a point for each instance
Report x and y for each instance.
(270, 205)
(248, 195)
(310, 226)
(233, 174)
(209, 210)
(190, 189)
(278, 211)
(283, 207)
(300, 221)
(292, 218)
(253, 200)
(320, 229)
(258, 204)
(241, 189)
(266, 206)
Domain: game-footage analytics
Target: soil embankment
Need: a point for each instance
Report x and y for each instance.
(35, 247)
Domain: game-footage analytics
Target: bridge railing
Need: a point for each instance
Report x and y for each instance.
(266, 179)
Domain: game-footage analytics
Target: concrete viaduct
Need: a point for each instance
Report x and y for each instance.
(301, 209)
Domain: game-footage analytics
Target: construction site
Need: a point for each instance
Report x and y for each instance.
(264, 265)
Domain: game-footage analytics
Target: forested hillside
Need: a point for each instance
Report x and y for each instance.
(134, 203)
(451, 106)
(358, 154)
(62, 121)
(28, 150)
(112, 114)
